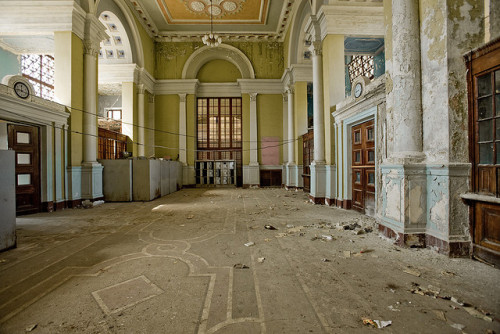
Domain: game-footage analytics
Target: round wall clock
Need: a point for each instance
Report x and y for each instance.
(21, 90)
(358, 90)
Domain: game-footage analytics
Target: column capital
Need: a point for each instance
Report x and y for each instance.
(90, 47)
(253, 96)
(285, 96)
(182, 97)
(290, 90)
(151, 98)
(316, 48)
(141, 89)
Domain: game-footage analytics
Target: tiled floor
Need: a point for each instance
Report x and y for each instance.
(171, 266)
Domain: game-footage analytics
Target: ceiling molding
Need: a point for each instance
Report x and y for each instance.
(229, 35)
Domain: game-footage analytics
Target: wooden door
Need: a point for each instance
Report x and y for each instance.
(307, 158)
(25, 141)
(483, 80)
(363, 167)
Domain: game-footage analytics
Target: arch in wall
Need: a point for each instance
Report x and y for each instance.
(225, 52)
(297, 46)
(123, 14)
(116, 49)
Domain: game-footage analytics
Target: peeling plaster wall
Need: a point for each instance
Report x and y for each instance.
(388, 120)
(465, 31)
(434, 79)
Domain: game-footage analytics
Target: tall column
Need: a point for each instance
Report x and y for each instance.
(182, 129)
(91, 169)
(291, 132)
(291, 167)
(319, 116)
(253, 130)
(406, 80)
(318, 166)
(90, 103)
(151, 125)
(141, 132)
(404, 176)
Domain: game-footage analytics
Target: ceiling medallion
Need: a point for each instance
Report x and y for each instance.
(214, 7)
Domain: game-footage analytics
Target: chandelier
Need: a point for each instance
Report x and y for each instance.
(211, 39)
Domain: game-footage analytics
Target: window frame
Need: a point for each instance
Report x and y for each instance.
(42, 72)
(483, 61)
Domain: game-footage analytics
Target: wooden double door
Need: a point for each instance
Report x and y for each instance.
(363, 167)
(24, 140)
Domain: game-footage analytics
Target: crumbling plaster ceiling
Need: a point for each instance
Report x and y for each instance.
(186, 20)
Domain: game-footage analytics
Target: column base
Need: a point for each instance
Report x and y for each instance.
(424, 240)
(251, 175)
(92, 181)
(291, 176)
(331, 190)
(318, 183)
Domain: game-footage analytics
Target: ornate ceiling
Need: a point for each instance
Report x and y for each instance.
(179, 20)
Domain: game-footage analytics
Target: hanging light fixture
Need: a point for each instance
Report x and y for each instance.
(211, 39)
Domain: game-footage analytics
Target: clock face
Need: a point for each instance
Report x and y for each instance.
(358, 89)
(21, 90)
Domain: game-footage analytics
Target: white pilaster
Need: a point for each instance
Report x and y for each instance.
(151, 126)
(251, 173)
(253, 130)
(141, 132)
(182, 129)
(285, 132)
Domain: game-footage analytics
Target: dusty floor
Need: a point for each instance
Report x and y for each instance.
(168, 266)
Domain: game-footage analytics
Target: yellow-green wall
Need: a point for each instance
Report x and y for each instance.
(300, 116)
(148, 48)
(270, 120)
(167, 125)
(219, 71)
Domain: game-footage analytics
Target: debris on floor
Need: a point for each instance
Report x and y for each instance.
(458, 326)
(347, 254)
(270, 227)
(250, 244)
(30, 328)
(190, 217)
(376, 323)
(261, 259)
(412, 271)
(325, 260)
(240, 266)
(477, 313)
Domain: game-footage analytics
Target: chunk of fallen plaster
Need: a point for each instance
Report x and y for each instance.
(250, 244)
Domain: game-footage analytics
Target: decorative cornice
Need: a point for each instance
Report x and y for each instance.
(302, 72)
(29, 17)
(118, 73)
(167, 87)
(352, 19)
(95, 32)
(34, 109)
(261, 86)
